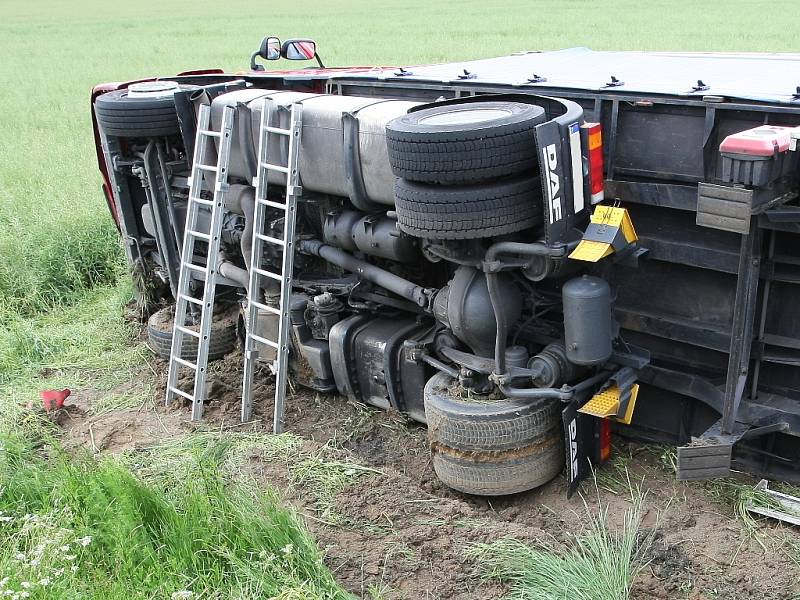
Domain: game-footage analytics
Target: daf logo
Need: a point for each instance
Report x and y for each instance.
(573, 450)
(553, 183)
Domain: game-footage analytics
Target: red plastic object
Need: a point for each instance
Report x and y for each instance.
(765, 140)
(54, 399)
(605, 440)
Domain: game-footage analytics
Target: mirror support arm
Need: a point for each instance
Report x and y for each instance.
(254, 66)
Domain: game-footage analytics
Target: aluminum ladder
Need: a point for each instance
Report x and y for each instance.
(217, 177)
(289, 211)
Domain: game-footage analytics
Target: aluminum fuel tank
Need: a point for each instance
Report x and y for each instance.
(324, 150)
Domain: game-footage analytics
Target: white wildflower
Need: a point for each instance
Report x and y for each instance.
(19, 556)
(44, 582)
(25, 585)
(74, 568)
(3, 582)
(287, 549)
(6, 519)
(182, 595)
(24, 594)
(64, 548)
(85, 541)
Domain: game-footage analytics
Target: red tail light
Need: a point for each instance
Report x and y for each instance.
(605, 439)
(594, 137)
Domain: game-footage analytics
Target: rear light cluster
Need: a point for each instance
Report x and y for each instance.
(593, 136)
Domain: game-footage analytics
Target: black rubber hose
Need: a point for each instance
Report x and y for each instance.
(402, 287)
(173, 219)
(167, 251)
(493, 285)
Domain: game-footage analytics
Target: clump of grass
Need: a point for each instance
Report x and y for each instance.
(326, 478)
(738, 495)
(76, 527)
(600, 564)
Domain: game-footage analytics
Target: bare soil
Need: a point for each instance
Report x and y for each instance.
(402, 533)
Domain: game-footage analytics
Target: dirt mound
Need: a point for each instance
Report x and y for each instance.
(394, 531)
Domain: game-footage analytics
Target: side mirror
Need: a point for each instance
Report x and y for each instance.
(299, 49)
(270, 49)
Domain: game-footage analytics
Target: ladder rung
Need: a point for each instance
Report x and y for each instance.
(262, 340)
(209, 133)
(271, 240)
(270, 309)
(271, 204)
(203, 201)
(199, 234)
(270, 274)
(206, 168)
(188, 331)
(182, 393)
(197, 268)
(185, 363)
(278, 130)
(192, 299)
(270, 167)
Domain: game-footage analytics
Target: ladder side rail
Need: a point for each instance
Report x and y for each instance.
(261, 183)
(209, 289)
(181, 304)
(292, 191)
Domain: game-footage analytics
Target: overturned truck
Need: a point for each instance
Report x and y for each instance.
(526, 253)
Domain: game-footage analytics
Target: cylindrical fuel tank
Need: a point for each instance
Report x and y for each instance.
(323, 150)
(587, 320)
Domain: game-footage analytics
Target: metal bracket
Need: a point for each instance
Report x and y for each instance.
(709, 456)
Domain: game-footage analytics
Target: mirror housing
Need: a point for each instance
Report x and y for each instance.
(299, 49)
(270, 49)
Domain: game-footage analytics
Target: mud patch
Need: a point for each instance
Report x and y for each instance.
(399, 533)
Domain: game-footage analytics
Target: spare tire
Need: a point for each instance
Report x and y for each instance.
(468, 211)
(464, 143)
(221, 341)
(492, 447)
(142, 110)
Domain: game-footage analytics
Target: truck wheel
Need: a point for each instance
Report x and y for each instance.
(464, 143)
(501, 473)
(143, 110)
(468, 211)
(222, 339)
(470, 424)
(491, 447)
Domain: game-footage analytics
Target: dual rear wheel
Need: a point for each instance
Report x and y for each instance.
(466, 171)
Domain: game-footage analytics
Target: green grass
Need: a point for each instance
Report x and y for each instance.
(76, 527)
(63, 281)
(599, 564)
(57, 243)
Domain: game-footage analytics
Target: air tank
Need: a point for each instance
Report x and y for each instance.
(587, 320)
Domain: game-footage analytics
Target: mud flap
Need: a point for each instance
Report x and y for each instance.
(585, 436)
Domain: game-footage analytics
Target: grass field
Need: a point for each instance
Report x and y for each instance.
(57, 244)
(63, 280)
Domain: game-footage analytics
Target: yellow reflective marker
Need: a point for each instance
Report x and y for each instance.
(610, 230)
(605, 404)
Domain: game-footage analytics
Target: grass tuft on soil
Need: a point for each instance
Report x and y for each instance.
(600, 563)
(77, 527)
